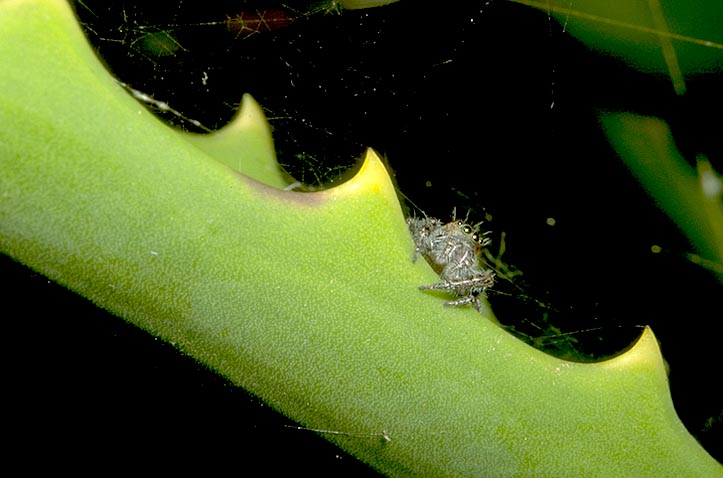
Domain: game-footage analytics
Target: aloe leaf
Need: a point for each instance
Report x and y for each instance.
(244, 145)
(308, 300)
(689, 197)
(648, 34)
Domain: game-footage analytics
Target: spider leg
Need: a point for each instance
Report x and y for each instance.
(461, 301)
(482, 281)
(471, 291)
(438, 286)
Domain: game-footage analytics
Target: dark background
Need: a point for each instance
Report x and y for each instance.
(487, 107)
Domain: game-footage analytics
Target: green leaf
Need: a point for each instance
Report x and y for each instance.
(691, 198)
(309, 300)
(678, 37)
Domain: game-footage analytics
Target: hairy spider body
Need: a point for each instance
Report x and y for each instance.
(453, 250)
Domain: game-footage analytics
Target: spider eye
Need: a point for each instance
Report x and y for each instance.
(467, 229)
(475, 237)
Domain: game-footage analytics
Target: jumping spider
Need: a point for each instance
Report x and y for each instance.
(453, 250)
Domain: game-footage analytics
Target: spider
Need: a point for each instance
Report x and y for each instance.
(453, 250)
